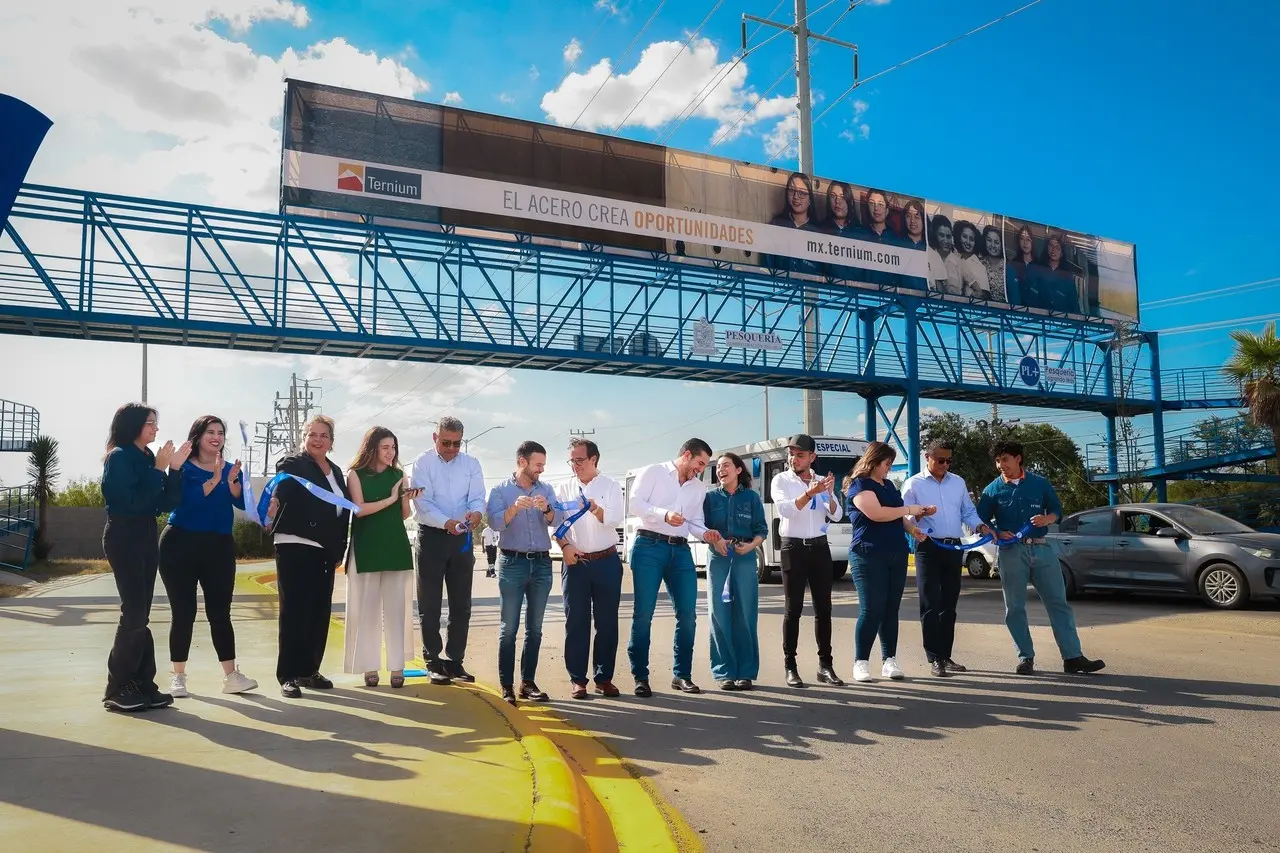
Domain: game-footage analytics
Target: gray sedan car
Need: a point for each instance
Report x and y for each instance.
(1168, 548)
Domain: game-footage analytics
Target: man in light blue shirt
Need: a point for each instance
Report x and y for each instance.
(521, 509)
(450, 506)
(937, 565)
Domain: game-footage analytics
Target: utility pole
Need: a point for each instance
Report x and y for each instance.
(800, 29)
(290, 415)
(144, 373)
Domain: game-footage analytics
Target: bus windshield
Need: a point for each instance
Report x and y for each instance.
(838, 465)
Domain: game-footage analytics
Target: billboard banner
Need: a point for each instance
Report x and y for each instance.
(353, 154)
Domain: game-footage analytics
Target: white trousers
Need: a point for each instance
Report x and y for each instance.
(377, 611)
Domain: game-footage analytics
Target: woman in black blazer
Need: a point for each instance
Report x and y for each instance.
(310, 541)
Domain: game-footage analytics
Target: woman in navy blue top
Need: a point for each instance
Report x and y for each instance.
(137, 485)
(198, 549)
(877, 557)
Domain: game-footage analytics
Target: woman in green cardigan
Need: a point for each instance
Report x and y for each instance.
(379, 561)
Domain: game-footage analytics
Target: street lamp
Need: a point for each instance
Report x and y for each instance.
(466, 442)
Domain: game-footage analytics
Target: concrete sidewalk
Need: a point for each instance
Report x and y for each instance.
(350, 769)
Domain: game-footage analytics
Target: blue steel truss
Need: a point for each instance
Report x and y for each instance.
(92, 265)
(19, 426)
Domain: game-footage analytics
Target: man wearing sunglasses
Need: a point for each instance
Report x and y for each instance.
(937, 566)
(448, 509)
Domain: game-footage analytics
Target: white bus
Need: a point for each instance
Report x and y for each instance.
(765, 460)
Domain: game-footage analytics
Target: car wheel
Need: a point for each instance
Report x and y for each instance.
(839, 569)
(977, 566)
(763, 573)
(1223, 586)
(1069, 582)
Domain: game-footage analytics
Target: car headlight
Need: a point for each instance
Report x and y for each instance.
(1260, 553)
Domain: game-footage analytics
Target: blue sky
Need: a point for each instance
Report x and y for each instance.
(1136, 120)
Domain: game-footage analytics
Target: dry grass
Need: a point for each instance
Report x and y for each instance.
(49, 569)
(7, 591)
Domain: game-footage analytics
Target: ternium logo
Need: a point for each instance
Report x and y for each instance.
(351, 177)
(387, 182)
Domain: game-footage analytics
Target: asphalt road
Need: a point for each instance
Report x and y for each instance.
(1172, 748)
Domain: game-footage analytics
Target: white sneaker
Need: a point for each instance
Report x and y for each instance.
(862, 671)
(237, 682)
(178, 686)
(891, 669)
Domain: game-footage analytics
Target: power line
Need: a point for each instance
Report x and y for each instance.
(693, 35)
(903, 64)
(724, 134)
(720, 77)
(1217, 324)
(614, 67)
(1170, 301)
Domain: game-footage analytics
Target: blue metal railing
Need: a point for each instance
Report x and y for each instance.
(19, 426)
(17, 526)
(1199, 384)
(1208, 444)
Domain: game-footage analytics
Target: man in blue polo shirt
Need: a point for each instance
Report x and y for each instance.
(1013, 500)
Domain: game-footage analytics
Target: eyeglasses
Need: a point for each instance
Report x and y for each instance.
(797, 191)
(941, 460)
(444, 442)
(576, 460)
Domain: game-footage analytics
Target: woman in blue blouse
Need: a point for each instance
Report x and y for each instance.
(878, 556)
(735, 511)
(137, 485)
(197, 548)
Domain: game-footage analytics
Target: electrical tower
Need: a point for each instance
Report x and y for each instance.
(291, 409)
(581, 433)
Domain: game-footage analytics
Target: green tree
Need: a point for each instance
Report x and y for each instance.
(85, 492)
(43, 469)
(1256, 369)
(1049, 452)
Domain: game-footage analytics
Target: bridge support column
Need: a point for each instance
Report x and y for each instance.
(1113, 462)
(870, 429)
(871, 426)
(913, 394)
(1157, 414)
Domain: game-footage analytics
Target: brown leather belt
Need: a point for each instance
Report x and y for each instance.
(599, 555)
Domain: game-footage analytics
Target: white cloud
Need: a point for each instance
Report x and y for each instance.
(608, 6)
(573, 51)
(864, 130)
(534, 73)
(453, 98)
(859, 109)
(860, 129)
(781, 141)
(507, 99)
(155, 102)
(691, 72)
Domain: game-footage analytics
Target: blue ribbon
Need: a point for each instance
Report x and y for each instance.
(1003, 543)
(568, 522)
(323, 494)
(467, 545)
(245, 479)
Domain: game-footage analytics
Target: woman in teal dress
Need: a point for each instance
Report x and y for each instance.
(379, 561)
(735, 511)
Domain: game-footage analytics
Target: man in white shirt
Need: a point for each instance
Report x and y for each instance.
(667, 498)
(806, 504)
(449, 508)
(591, 574)
(938, 566)
(490, 541)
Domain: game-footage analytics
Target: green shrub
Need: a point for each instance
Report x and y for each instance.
(252, 541)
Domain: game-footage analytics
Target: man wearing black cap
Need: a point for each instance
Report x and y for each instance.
(806, 504)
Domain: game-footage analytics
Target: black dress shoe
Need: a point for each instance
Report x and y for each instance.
(159, 700)
(643, 690)
(745, 684)
(1026, 666)
(728, 684)
(454, 670)
(827, 675)
(437, 673)
(952, 666)
(793, 678)
(1077, 666)
(938, 668)
(508, 694)
(530, 690)
(316, 682)
(291, 690)
(684, 685)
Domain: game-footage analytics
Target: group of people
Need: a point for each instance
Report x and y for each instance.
(963, 258)
(315, 532)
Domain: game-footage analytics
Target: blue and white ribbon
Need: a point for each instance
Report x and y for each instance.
(581, 507)
(467, 545)
(245, 480)
(323, 494)
(1003, 543)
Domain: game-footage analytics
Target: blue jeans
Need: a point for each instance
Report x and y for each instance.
(521, 580)
(735, 646)
(590, 590)
(1038, 565)
(880, 579)
(652, 564)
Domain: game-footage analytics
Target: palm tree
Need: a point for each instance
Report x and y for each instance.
(1256, 368)
(42, 468)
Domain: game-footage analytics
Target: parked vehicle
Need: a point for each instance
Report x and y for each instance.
(1168, 548)
(983, 561)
